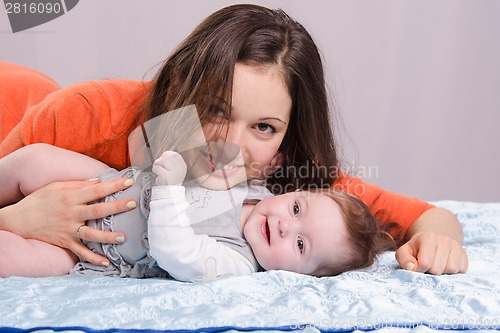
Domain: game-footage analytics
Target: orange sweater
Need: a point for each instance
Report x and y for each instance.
(95, 118)
(20, 88)
(92, 118)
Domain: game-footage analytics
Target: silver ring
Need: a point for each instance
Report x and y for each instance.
(78, 230)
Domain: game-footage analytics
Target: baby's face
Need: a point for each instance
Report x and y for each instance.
(298, 232)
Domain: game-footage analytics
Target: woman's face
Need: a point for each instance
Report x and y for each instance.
(260, 114)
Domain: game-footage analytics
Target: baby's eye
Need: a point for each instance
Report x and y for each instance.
(296, 209)
(266, 128)
(300, 244)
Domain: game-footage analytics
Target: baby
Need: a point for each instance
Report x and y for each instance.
(319, 232)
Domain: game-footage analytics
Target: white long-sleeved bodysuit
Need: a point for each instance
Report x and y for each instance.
(187, 256)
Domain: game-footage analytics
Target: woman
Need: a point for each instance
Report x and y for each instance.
(263, 45)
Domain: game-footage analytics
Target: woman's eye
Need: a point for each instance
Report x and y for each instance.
(300, 244)
(266, 128)
(217, 114)
(217, 111)
(296, 209)
(220, 112)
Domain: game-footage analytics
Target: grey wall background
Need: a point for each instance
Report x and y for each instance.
(417, 83)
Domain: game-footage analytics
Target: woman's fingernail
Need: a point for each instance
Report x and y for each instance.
(120, 239)
(105, 263)
(410, 266)
(92, 179)
(128, 182)
(131, 204)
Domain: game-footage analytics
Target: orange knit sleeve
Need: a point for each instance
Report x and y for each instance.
(387, 207)
(92, 118)
(20, 88)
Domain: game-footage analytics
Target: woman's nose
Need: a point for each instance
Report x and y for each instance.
(234, 134)
(224, 152)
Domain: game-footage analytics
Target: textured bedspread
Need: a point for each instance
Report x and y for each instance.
(382, 297)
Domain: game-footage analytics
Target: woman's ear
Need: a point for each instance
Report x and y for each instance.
(275, 164)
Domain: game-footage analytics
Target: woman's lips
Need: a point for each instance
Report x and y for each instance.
(227, 172)
(208, 161)
(222, 168)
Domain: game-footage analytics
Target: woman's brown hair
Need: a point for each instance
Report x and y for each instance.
(200, 71)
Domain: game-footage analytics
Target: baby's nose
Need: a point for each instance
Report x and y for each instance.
(284, 228)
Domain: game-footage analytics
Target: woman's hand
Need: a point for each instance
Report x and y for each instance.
(428, 252)
(434, 245)
(56, 212)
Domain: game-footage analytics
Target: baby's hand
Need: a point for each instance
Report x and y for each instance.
(170, 169)
(427, 252)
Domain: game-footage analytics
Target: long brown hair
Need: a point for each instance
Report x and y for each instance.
(366, 237)
(200, 71)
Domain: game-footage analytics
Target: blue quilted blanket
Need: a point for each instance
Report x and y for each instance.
(382, 297)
